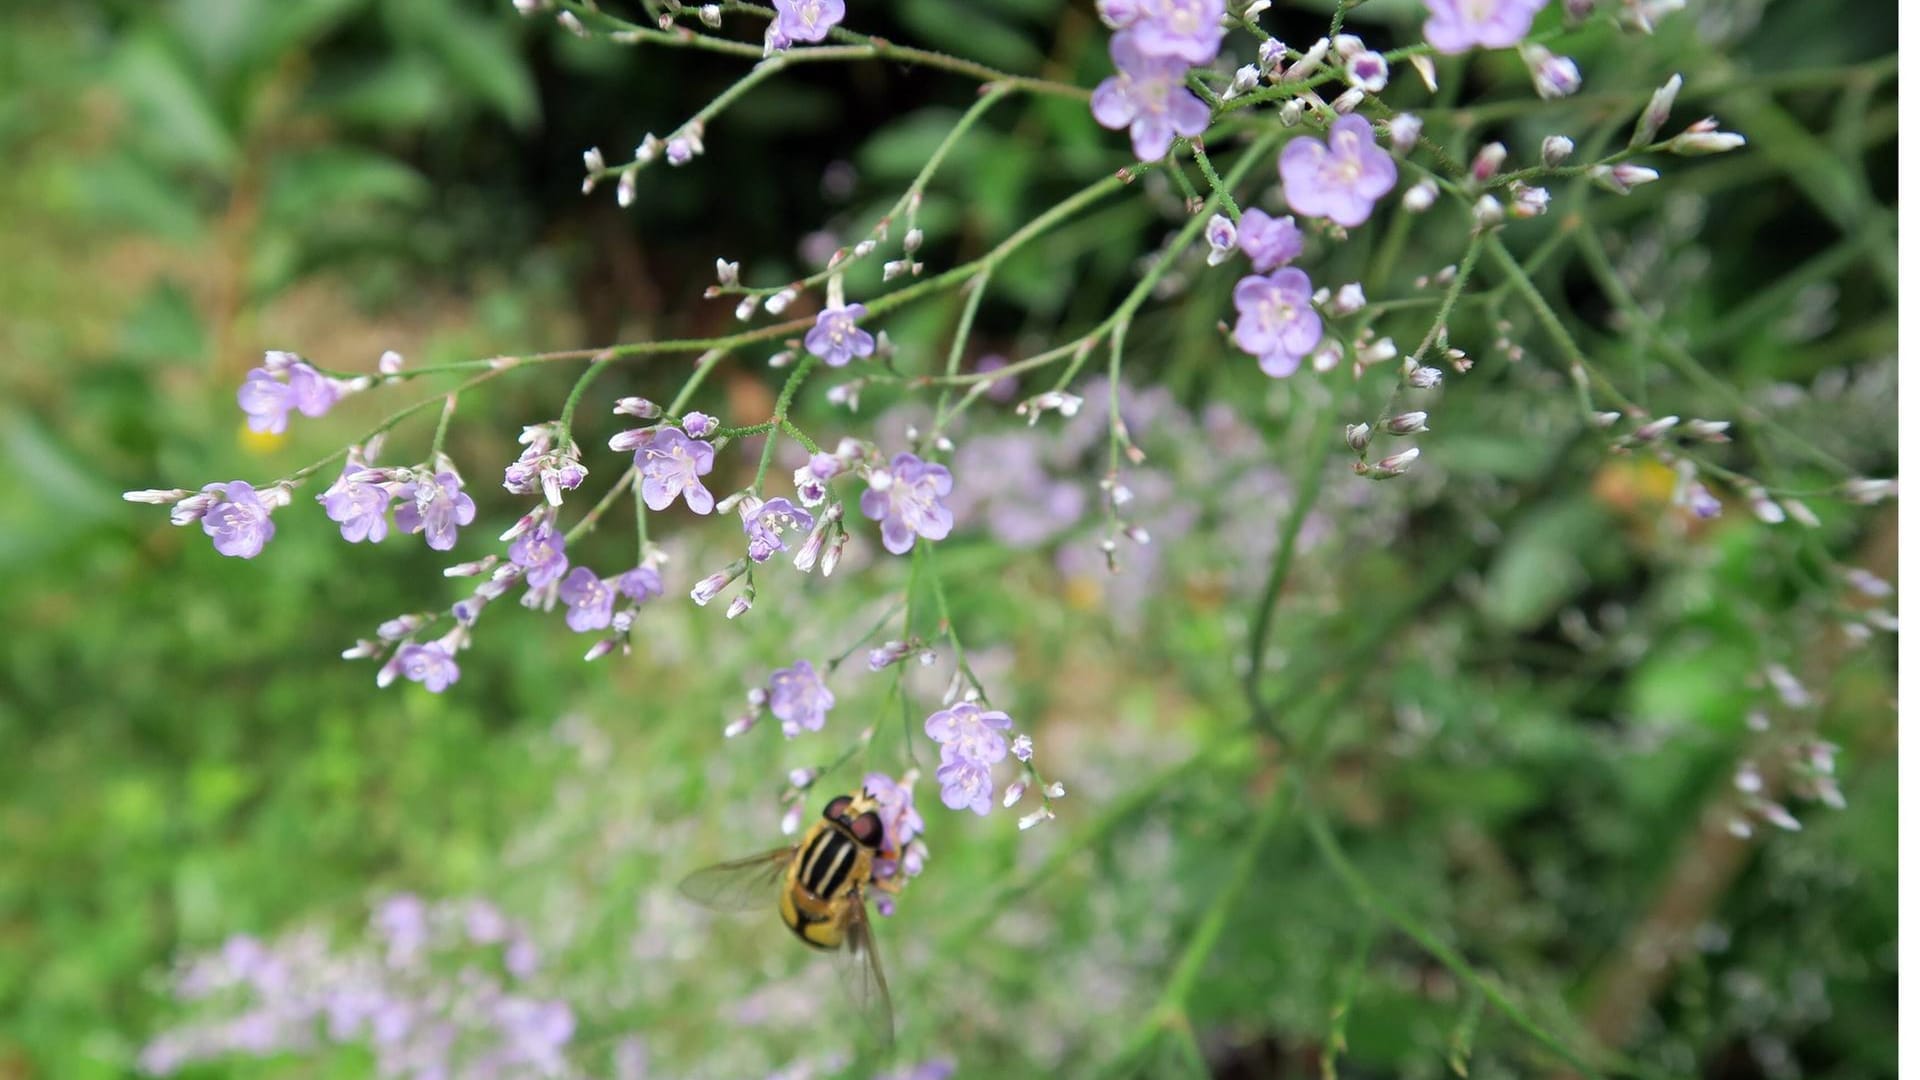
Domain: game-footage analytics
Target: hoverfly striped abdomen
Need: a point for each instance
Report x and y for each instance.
(827, 865)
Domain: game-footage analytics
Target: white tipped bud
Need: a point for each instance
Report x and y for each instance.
(1359, 437)
(740, 606)
(1655, 115)
(1349, 299)
(1035, 818)
(910, 243)
(1244, 80)
(573, 24)
(710, 14)
(727, 273)
(1349, 100)
(1292, 112)
(1403, 132)
(779, 301)
(1014, 791)
(1555, 150)
(1487, 162)
(1407, 423)
(1397, 464)
(1487, 212)
(1419, 198)
(1695, 143)
(1423, 67)
(156, 496)
(1621, 179)
(595, 162)
(745, 308)
(624, 191)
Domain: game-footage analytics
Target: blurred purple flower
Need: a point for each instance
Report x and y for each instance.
(1341, 178)
(430, 665)
(240, 523)
(1277, 322)
(836, 339)
(267, 399)
(671, 465)
(897, 813)
(542, 552)
(1185, 30)
(434, 505)
(1270, 242)
(965, 785)
(1459, 25)
(968, 732)
(798, 698)
(640, 584)
(804, 20)
(589, 600)
(358, 504)
(1148, 97)
(767, 524)
(906, 499)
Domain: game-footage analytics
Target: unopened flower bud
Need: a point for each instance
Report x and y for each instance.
(1359, 436)
(1014, 791)
(1349, 299)
(1621, 179)
(1655, 115)
(1487, 162)
(1419, 198)
(1487, 212)
(1245, 78)
(1403, 132)
(1396, 464)
(710, 14)
(1407, 423)
(910, 243)
(1704, 137)
(1555, 150)
(779, 301)
(1553, 76)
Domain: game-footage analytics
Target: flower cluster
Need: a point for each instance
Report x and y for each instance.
(549, 465)
(419, 998)
(1157, 43)
(283, 384)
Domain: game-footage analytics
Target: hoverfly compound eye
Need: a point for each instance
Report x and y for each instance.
(868, 830)
(837, 809)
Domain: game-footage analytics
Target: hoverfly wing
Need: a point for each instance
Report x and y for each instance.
(748, 884)
(866, 982)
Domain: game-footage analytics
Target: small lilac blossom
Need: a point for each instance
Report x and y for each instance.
(641, 584)
(358, 504)
(542, 553)
(1023, 747)
(905, 498)
(671, 465)
(798, 697)
(240, 522)
(435, 505)
(1184, 30)
(430, 665)
(836, 339)
(1341, 178)
(267, 399)
(804, 20)
(969, 732)
(1277, 322)
(699, 425)
(1221, 239)
(902, 822)
(965, 785)
(768, 523)
(1149, 97)
(1270, 242)
(589, 600)
(1456, 26)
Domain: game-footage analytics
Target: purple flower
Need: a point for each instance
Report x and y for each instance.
(897, 813)
(1270, 242)
(804, 20)
(699, 425)
(1149, 97)
(431, 665)
(640, 584)
(1185, 30)
(542, 553)
(240, 523)
(358, 503)
(436, 506)
(834, 337)
(905, 499)
(768, 522)
(1341, 178)
(798, 698)
(966, 731)
(1277, 322)
(965, 784)
(1459, 25)
(589, 600)
(671, 466)
(267, 400)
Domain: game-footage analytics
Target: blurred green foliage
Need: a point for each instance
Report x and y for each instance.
(1527, 689)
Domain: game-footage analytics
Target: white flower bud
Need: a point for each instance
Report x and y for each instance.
(1655, 115)
(1349, 100)
(1403, 132)
(727, 273)
(1419, 198)
(780, 301)
(1423, 67)
(1555, 150)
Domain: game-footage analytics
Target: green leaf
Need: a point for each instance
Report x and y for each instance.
(969, 31)
(476, 54)
(175, 118)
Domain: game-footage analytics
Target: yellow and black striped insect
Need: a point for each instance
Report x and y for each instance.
(820, 887)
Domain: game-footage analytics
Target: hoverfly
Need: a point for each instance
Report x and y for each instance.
(820, 887)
